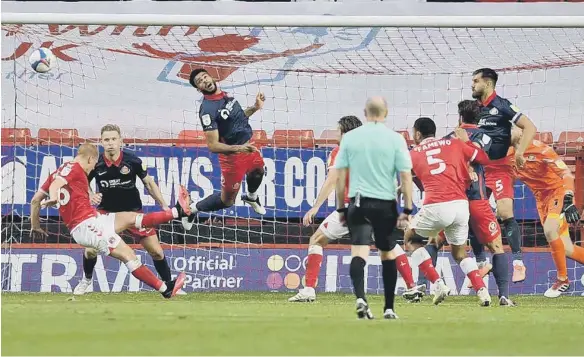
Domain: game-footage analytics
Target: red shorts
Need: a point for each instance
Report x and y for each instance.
(235, 166)
(499, 179)
(483, 221)
(135, 232)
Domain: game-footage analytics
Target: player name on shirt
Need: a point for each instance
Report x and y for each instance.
(116, 181)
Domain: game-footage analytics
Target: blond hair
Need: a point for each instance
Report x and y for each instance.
(88, 150)
(111, 127)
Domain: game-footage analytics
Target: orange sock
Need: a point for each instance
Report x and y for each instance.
(578, 254)
(559, 257)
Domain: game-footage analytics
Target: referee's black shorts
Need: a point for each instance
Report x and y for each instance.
(373, 219)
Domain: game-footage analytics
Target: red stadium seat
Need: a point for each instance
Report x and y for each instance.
(59, 137)
(293, 138)
(260, 138)
(329, 137)
(569, 142)
(12, 136)
(545, 137)
(191, 138)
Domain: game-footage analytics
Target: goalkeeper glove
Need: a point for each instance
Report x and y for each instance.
(569, 210)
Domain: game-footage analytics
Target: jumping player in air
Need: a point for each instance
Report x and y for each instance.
(116, 172)
(442, 167)
(552, 184)
(496, 117)
(333, 229)
(483, 223)
(68, 188)
(228, 133)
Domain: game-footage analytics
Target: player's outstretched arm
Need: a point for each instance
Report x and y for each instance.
(259, 104)
(56, 185)
(327, 187)
(154, 191)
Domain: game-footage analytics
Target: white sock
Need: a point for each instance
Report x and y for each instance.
(398, 250)
(420, 255)
(468, 264)
(194, 208)
(518, 262)
(174, 212)
(252, 195)
(315, 249)
(163, 287)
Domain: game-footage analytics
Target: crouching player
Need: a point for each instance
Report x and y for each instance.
(68, 188)
(552, 184)
(333, 229)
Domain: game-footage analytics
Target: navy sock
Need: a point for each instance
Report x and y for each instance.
(501, 273)
(477, 248)
(254, 180)
(163, 269)
(88, 266)
(211, 203)
(357, 270)
(511, 231)
(389, 282)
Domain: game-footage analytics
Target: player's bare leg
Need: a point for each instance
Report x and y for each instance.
(126, 255)
(423, 260)
(470, 268)
(511, 230)
(359, 254)
(89, 261)
(152, 245)
(315, 247)
(254, 180)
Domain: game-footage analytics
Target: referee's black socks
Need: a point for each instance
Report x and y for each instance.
(389, 282)
(357, 270)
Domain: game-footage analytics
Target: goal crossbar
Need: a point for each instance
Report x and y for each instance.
(300, 21)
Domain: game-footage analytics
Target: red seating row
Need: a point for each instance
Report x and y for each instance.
(297, 138)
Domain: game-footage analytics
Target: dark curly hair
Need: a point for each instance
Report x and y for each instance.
(469, 110)
(348, 123)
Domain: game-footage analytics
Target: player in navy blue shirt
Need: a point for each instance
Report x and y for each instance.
(228, 133)
(497, 115)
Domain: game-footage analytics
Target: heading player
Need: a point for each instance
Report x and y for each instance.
(552, 184)
(483, 223)
(332, 228)
(116, 172)
(68, 188)
(496, 117)
(228, 133)
(442, 167)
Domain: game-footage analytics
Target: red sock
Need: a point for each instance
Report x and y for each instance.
(470, 268)
(147, 277)
(155, 218)
(427, 268)
(405, 270)
(313, 265)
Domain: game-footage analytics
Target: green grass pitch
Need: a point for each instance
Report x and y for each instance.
(266, 324)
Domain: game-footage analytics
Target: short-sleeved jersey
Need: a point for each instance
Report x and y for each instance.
(477, 189)
(544, 170)
(496, 118)
(331, 164)
(442, 167)
(223, 113)
(116, 181)
(74, 206)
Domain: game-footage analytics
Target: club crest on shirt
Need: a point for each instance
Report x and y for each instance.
(493, 111)
(531, 158)
(493, 227)
(236, 186)
(125, 170)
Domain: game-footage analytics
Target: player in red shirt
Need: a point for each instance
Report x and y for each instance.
(68, 189)
(442, 167)
(552, 184)
(332, 228)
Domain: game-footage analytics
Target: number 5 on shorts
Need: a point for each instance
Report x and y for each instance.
(499, 186)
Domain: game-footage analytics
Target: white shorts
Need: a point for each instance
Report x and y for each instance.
(98, 233)
(332, 227)
(450, 217)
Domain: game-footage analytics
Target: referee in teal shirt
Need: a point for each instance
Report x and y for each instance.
(372, 155)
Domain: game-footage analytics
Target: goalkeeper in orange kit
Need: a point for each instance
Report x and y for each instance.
(552, 184)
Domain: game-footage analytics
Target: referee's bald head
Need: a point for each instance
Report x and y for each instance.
(376, 109)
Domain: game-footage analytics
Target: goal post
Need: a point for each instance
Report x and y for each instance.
(132, 70)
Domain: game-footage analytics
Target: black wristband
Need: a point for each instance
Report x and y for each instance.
(407, 211)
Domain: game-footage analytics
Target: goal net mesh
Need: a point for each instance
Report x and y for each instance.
(137, 77)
